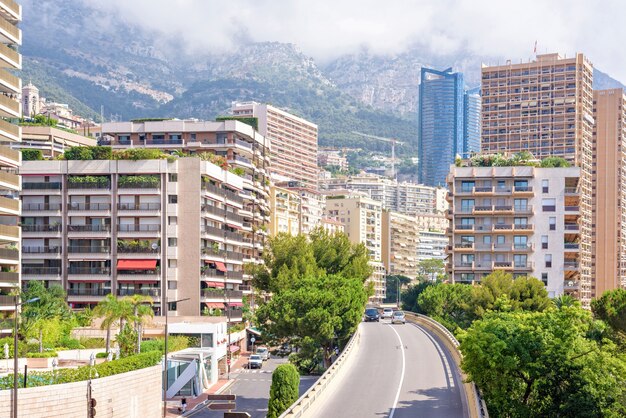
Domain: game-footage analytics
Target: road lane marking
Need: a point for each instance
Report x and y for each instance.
(442, 354)
(395, 401)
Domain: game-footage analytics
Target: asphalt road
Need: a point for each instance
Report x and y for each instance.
(399, 371)
(252, 388)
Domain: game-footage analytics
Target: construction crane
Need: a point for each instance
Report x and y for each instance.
(393, 143)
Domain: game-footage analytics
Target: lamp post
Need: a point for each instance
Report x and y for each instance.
(15, 349)
(165, 374)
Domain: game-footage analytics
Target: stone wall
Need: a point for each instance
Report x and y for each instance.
(128, 395)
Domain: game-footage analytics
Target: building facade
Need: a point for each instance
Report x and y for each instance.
(546, 107)
(440, 113)
(400, 234)
(332, 158)
(169, 230)
(51, 141)
(293, 141)
(311, 208)
(472, 122)
(285, 211)
(361, 217)
(431, 244)
(609, 185)
(30, 101)
(523, 220)
(10, 108)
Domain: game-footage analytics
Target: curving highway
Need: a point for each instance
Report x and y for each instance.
(397, 371)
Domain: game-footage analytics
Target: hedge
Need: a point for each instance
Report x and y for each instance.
(110, 368)
(45, 354)
(32, 155)
(175, 343)
(284, 389)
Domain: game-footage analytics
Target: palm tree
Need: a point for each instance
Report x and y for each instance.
(109, 309)
(563, 301)
(50, 305)
(141, 308)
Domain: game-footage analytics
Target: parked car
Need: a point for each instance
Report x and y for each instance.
(255, 362)
(387, 313)
(263, 352)
(398, 318)
(371, 314)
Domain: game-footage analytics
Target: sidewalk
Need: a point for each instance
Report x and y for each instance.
(220, 386)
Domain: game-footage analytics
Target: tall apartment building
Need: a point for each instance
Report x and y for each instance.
(399, 243)
(609, 185)
(523, 220)
(546, 107)
(285, 211)
(311, 209)
(361, 217)
(431, 244)
(332, 158)
(244, 149)
(293, 141)
(10, 108)
(170, 230)
(442, 130)
(403, 197)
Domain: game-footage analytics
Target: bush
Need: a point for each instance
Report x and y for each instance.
(22, 347)
(88, 153)
(136, 154)
(123, 365)
(93, 342)
(45, 354)
(139, 181)
(70, 343)
(32, 155)
(175, 343)
(101, 355)
(284, 390)
(88, 179)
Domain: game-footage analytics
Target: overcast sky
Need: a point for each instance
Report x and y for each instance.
(325, 29)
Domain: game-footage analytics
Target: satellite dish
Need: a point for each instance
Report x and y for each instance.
(154, 246)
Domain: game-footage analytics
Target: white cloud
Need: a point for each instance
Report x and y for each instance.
(326, 29)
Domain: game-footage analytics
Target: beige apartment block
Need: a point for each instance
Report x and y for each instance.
(432, 244)
(400, 235)
(169, 230)
(285, 211)
(361, 217)
(432, 222)
(332, 226)
(244, 149)
(546, 107)
(293, 141)
(311, 207)
(522, 220)
(609, 185)
(10, 108)
(332, 158)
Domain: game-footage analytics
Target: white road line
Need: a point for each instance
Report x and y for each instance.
(395, 402)
(442, 354)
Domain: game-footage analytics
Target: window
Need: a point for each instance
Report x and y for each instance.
(467, 258)
(520, 260)
(172, 284)
(467, 239)
(172, 263)
(548, 260)
(172, 242)
(500, 239)
(467, 221)
(545, 185)
(467, 186)
(501, 185)
(467, 205)
(548, 205)
(521, 221)
(172, 198)
(487, 239)
(520, 242)
(544, 278)
(552, 222)
(172, 220)
(171, 306)
(172, 177)
(192, 137)
(520, 204)
(467, 277)
(544, 242)
(521, 185)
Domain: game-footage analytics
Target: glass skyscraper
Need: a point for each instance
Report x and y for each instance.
(449, 123)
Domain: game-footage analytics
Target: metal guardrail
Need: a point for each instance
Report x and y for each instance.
(304, 402)
(474, 396)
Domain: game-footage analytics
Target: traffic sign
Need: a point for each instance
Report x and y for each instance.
(236, 415)
(252, 340)
(222, 406)
(221, 397)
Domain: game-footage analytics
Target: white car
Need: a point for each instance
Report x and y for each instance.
(387, 313)
(398, 318)
(263, 352)
(255, 362)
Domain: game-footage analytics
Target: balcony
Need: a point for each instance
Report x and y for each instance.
(56, 186)
(10, 83)
(464, 246)
(572, 210)
(41, 271)
(482, 191)
(522, 191)
(88, 270)
(9, 206)
(145, 207)
(571, 285)
(222, 294)
(9, 108)
(9, 277)
(80, 249)
(523, 266)
(9, 180)
(87, 207)
(10, 10)
(8, 255)
(463, 228)
(571, 246)
(502, 265)
(86, 229)
(571, 266)
(502, 210)
(41, 207)
(571, 191)
(10, 57)
(44, 228)
(155, 293)
(146, 228)
(9, 232)
(88, 185)
(39, 251)
(88, 292)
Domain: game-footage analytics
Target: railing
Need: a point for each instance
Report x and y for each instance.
(41, 228)
(12, 6)
(163, 141)
(467, 245)
(139, 185)
(6, 152)
(212, 230)
(39, 271)
(221, 293)
(139, 228)
(88, 292)
(146, 292)
(571, 227)
(88, 250)
(570, 265)
(572, 208)
(12, 105)
(13, 56)
(483, 189)
(522, 189)
(41, 185)
(7, 300)
(88, 185)
(41, 250)
(12, 179)
(503, 208)
(571, 190)
(41, 206)
(139, 206)
(243, 144)
(88, 270)
(89, 228)
(10, 204)
(89, 206)
(136, 250)
(8, 254)
(222, 192)
(571, 245)
(9, 28)
(9, 276)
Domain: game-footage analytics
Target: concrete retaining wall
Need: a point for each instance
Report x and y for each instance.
(128, 395)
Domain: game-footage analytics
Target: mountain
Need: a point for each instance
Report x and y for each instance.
(603, 81)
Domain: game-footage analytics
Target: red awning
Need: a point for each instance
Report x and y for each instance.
(235, 304)
(234, 226)
(215, 284)
(220, 266)
(234, 348)
(214, 305)
(136, 264)
(128, 279)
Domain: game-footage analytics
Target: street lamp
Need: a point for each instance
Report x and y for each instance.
(15, 349)
(165, 373)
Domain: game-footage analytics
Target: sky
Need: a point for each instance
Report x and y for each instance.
(326, 29)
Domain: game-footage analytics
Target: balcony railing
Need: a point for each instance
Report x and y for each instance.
(8, 254)
(41, 206)
(221, 293)
(88, 185)
(41, 228)
(89, 228)
(571, 245)
(139, 206)
(89, 206)
(88, 292)
(145, 292)
(571, 227)
(7, 300)
(41, 271)
(88, 250)
(9, 276)
(10, 178)
(522, 189)
(41, 186)
(41, 250)
(12, 105)
(6, 152)
(89, 270)
(572, 208)
(11, 54)
(136, 250)
(139, 228)
(222, 192)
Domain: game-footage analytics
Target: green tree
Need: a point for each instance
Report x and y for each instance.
(142, 308)
(450, 304)
(43, 314)
(391, 283)
(410, 296)
(611, 308)
(32, 155)
(335, 254)
(542, 364)
(564, 300)
(109, 309)
(284, 390)
(431, 269)
(127, 340)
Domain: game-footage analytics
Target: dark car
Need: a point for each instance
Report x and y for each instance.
(371, 314)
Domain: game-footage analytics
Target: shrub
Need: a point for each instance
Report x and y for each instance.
(32, 155)
(78, 153)
(101, 355)
(70, 343)
(284, 390)
(101, 153)
(175, 343)
(139, 181)
(93, 342)
(45, 354)
(136, 154)
(22, 347)
(88, 180)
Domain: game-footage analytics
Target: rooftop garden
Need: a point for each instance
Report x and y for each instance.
(43, 120)
(523, 158)
(254, 122)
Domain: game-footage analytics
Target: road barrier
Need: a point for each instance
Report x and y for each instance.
(472, 393)
(306, 400)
